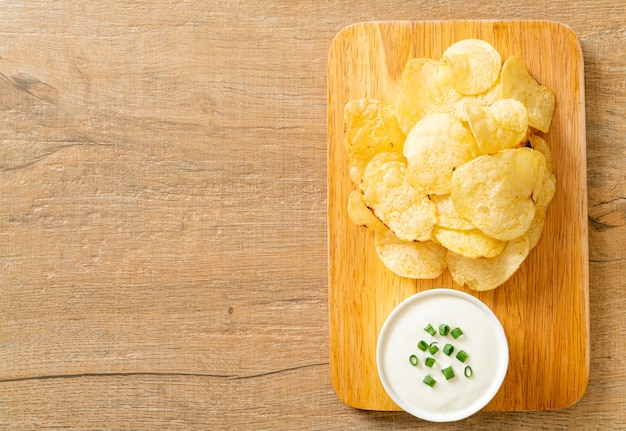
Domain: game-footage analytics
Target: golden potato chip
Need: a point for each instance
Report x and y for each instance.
(544, 189)
(409, 215)
(499, 126)
(475, 65)
(495, 192)
(371, 128)
(546, 181)
(360, 214)
(464, 107)
(411, 259)
(434, 149)
(448, 216)
(468, 243)
(536, 227)
(359, 114)
(518, 83)
(486, 274)
(388, 127)
(539, 144)
(490, 96)
(425, 89)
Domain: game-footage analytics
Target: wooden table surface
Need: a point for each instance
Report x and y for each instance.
(163, 240)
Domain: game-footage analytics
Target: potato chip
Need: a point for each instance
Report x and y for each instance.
(490, 96)
(545, 180)
(371, 128)
(518, 83)
(487, 274)
(468, 243)
(360, 214)
(475, 65)
(449, 218)
(545, 188)
(425, 89)
(464, 106)
(468, 107)
(388, 127)
(495, 192)
(539, 144)
(502, 125)
(411, 259)
(409, 215)
(434, 149)
(359, 114)
(536, 227)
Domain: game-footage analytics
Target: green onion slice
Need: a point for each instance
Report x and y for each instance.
(468, 372)
(433, 348)
(448, 349)
(444, 329)
(422, 345)
(413, 360)
(429, 381)
(456, 333)
(430, 362)
(448, 373)
(462, 355)
(429, 328)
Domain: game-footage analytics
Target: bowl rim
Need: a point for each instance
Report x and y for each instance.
(480, 401)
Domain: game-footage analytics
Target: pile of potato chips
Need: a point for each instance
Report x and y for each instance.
(455, 174)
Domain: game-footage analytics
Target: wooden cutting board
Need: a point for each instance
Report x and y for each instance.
(544, 307)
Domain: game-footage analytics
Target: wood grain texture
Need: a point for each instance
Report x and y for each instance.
(163, 237)
(544, 307)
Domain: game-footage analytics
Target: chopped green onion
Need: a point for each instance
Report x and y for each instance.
(413, 360)
(448, 349)
(468, 372)
(444, 329)
(456, 333)
(462, 355)
(430, 362)
(422, 345)
(448, 373)
(433, 348)
(429, 328)
(429, 381)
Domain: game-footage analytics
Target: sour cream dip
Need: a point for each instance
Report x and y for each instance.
(483, 340)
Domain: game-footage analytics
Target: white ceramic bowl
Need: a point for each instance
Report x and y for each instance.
(483, 340)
